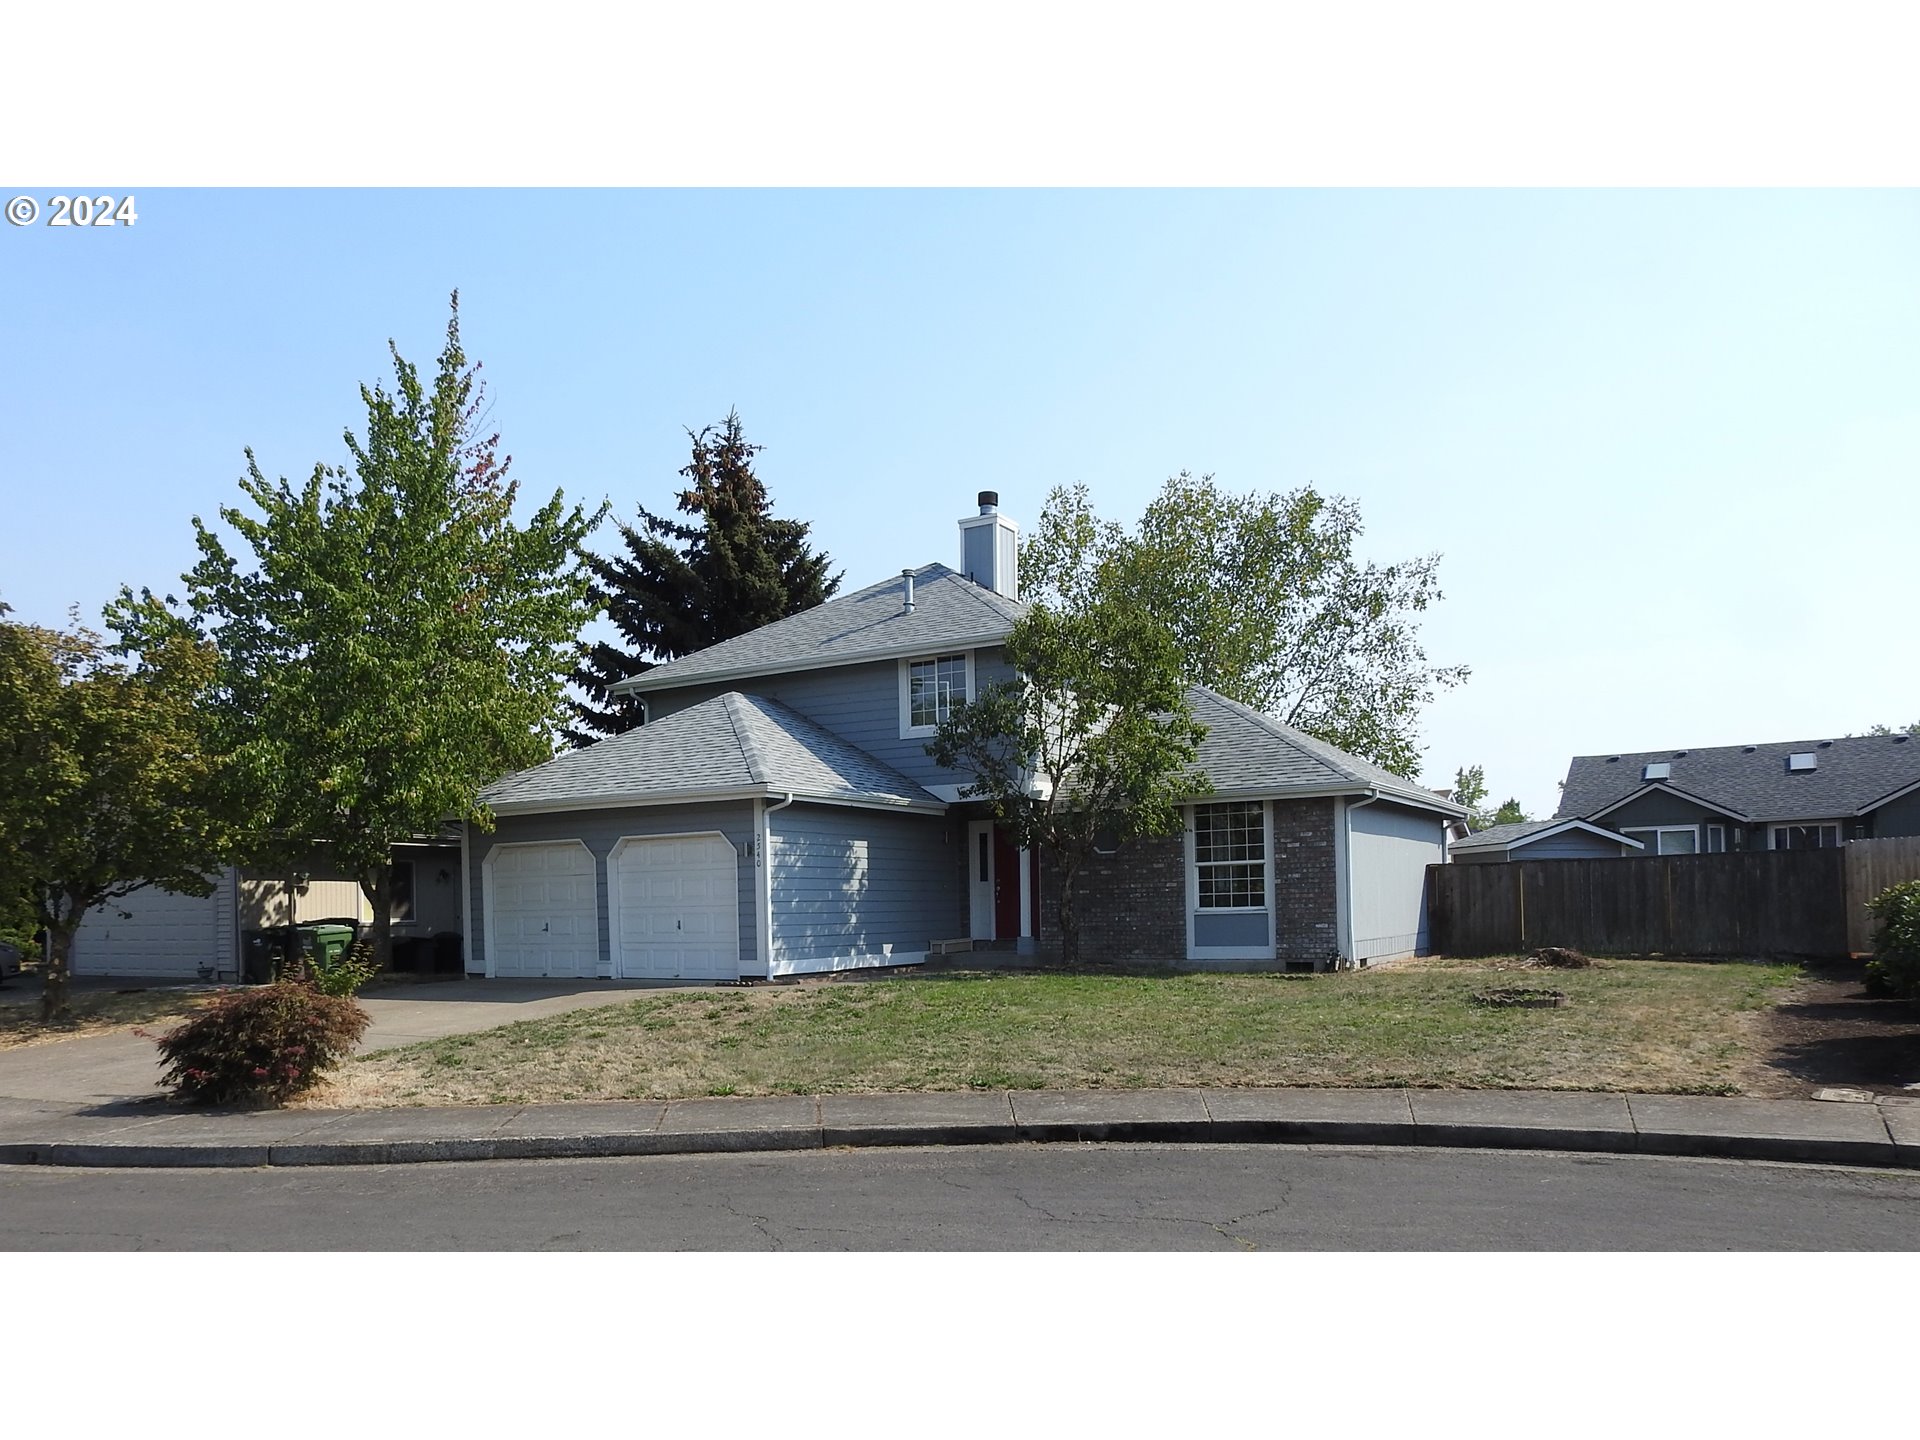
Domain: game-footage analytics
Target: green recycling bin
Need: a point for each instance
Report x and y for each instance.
(327, 944)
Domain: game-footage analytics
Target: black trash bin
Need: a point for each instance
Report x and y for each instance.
(449, 955)
(263, 952)
(407, 954)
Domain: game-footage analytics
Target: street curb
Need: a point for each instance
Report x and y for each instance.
(590, 1145)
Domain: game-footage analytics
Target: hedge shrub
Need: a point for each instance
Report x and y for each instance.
(261, 1045)
(1895, 967)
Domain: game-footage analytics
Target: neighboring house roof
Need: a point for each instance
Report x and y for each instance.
(1518, 833)
(950, 612)
(1248, 753)
(732, 746)
(1850, 776)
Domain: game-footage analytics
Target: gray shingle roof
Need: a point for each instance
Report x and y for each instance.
(949, 611)
(1499, 837)
(1753, 781)
(730, 744)
(1246, 751)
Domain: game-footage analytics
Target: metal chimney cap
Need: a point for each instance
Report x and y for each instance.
(989, 501)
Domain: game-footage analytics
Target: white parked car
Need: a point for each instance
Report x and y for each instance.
(9, 962)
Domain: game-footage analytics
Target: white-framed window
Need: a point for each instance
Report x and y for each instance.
(929, 687)
(1716, 838)
(1230, 856)
(1666, 839)
(1814, 836)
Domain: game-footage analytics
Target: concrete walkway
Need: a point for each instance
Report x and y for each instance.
(96, 1069)
(130, 1133)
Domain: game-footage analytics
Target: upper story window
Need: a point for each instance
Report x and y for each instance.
(1230, 856)
(929, 689)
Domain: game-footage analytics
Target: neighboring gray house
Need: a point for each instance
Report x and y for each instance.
(1788, 795)
(778, 814)
(1543, 840)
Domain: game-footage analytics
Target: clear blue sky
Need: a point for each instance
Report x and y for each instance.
(1668, 441)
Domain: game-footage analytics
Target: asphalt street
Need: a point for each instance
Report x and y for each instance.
(1022, 1197)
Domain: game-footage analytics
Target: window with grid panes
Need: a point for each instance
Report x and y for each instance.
(1230, 855)
(933, 686)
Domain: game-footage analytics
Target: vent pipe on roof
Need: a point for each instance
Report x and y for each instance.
(990, 548)
(907, 575)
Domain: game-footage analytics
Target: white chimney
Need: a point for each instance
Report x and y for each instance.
(990, 548)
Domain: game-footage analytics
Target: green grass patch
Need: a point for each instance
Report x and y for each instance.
(1631, 1025)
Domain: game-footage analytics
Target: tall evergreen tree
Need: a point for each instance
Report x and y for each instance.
(682, 586)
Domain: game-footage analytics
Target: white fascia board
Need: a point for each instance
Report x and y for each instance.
(1562, 828)
(1873, 805)
(640, 683)
(1652, 786)
(688, 797)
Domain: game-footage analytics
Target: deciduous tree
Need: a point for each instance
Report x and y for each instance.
(106, 780)
(392, 638)
(1271, 607)
(1094, 738)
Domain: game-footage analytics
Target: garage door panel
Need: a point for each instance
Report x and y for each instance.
(675, 902)
(544, 904)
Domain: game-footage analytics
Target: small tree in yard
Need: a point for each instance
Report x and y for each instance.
(106, 784)
(400, 639)
(1094, 738)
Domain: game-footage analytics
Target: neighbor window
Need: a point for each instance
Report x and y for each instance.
(931, 688)
(1665, 839)
(1805, 837)
(1230, 856)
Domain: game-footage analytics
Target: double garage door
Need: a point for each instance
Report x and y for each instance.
(672, 909)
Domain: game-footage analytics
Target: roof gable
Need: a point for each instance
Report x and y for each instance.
(950, 612)
(1519, 833)
(1853, 775)
(733, 745)
(1247, 752)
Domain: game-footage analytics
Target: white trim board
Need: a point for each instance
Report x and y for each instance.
(1547, 833)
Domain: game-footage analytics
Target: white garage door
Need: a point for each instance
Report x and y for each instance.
(162, 934)
(675, 908)
(541, 904)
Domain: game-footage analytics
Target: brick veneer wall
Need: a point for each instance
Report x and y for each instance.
(1306, 899)
(1133, 905)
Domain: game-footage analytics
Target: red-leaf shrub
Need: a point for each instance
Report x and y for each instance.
(265, 1044)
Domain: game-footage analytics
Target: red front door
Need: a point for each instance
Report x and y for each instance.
(1006, 886)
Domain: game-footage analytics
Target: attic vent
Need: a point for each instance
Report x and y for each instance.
(1901, 739)
(1679, 754)
(1748, 749)
(1805, 760)
(1613, 759)
(1658, 770)
(1826, 744)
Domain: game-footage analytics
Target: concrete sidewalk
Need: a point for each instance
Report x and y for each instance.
(145, 1133)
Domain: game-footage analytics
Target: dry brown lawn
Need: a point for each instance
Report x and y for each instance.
(95, 1012)
(1631, 1025)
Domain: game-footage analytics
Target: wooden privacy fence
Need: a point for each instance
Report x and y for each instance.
(1754, 902)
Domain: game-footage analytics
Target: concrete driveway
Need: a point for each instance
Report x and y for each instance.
(98, 1068)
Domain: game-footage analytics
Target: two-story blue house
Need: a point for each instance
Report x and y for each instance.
(778, 814)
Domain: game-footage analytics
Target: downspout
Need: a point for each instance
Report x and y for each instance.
(1346, 845)
(763, 844)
